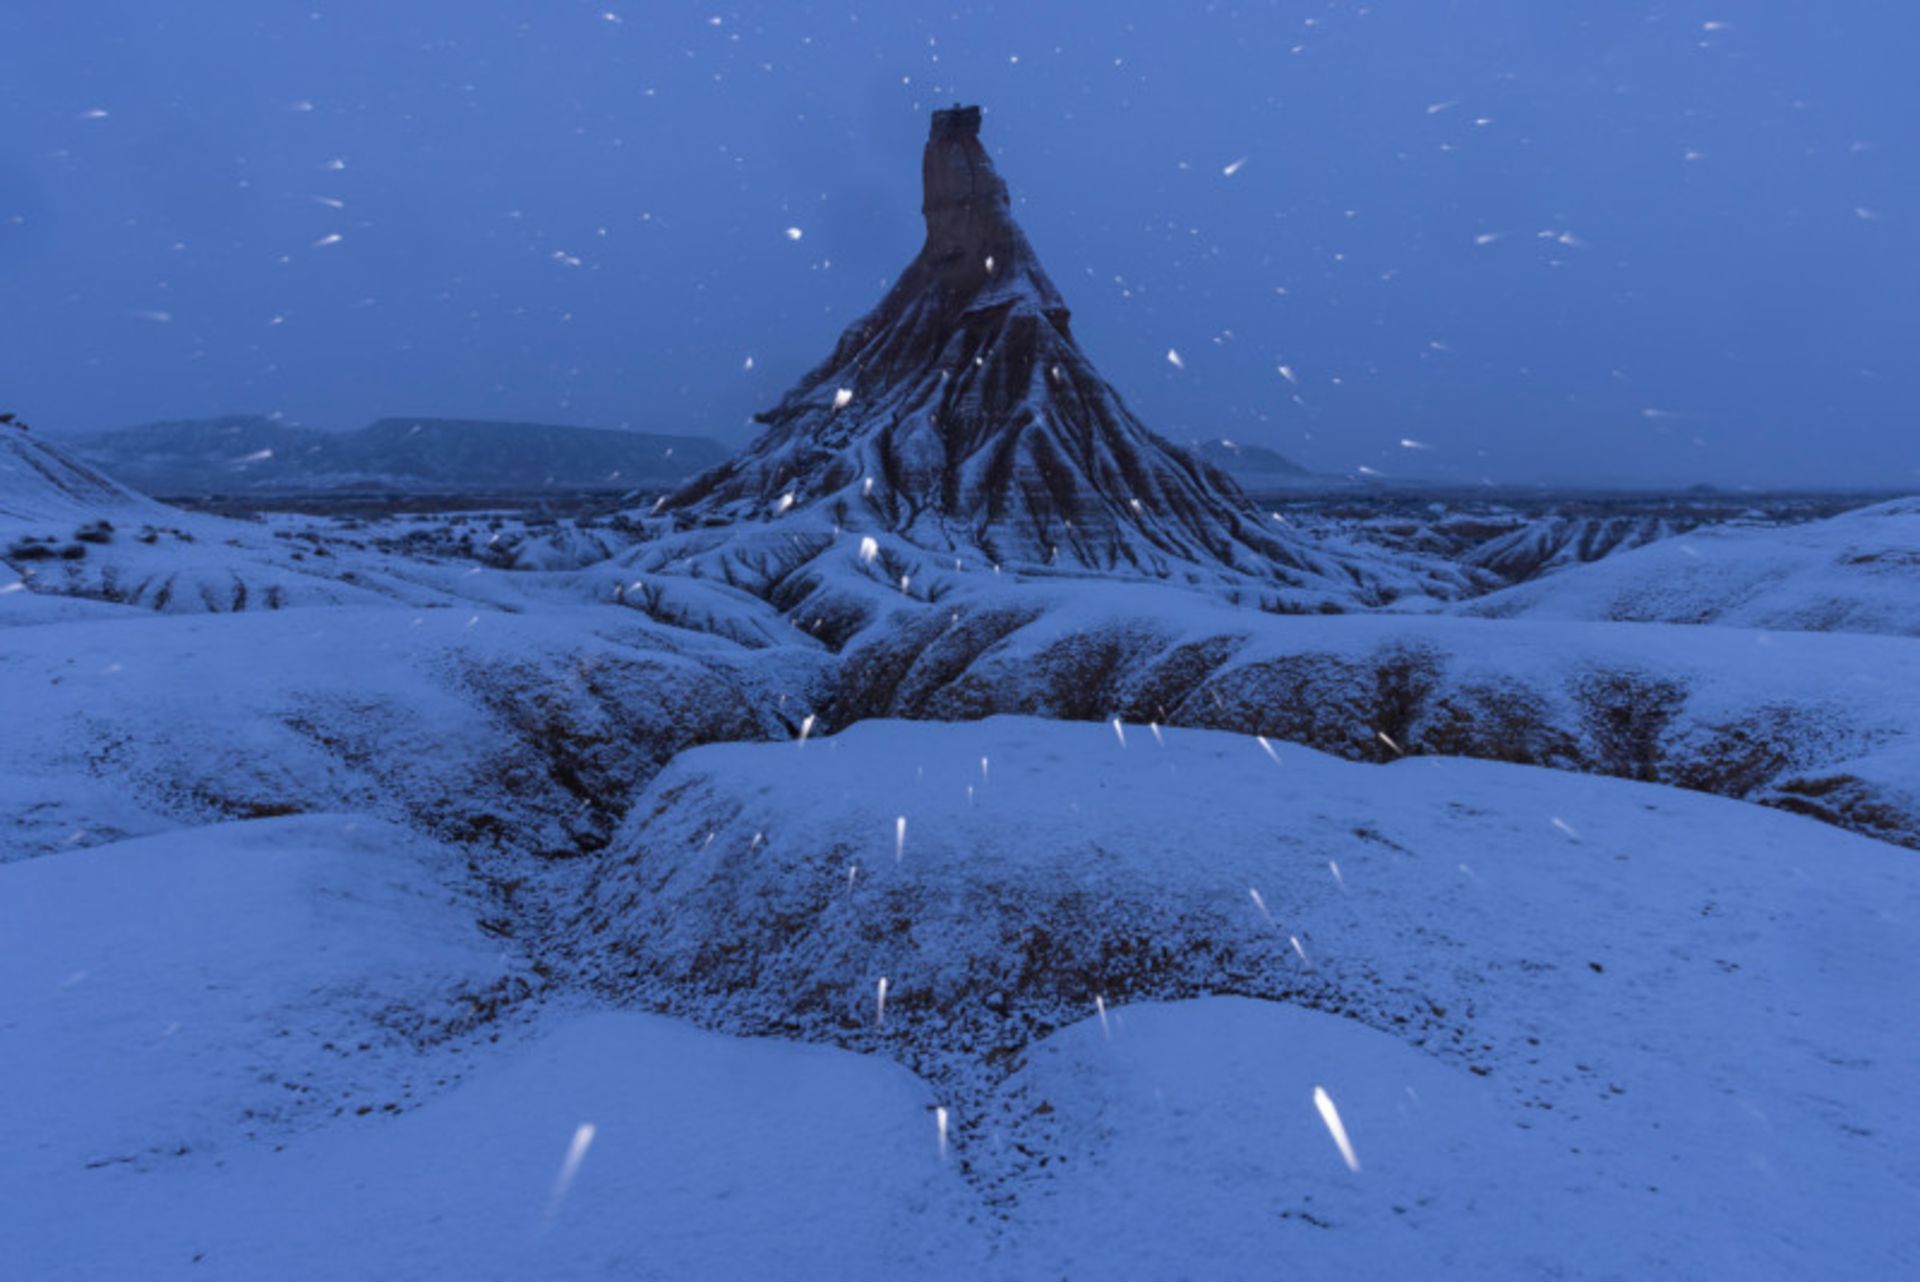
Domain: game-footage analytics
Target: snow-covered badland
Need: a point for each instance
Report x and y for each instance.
(962, 836)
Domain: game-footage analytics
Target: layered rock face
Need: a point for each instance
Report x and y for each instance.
(961, 414)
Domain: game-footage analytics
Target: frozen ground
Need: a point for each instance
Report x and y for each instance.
(354, 875)
(505, 731)
(257, 1054)
(1543, 1006)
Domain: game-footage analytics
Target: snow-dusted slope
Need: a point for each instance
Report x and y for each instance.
(67, 530)
(187, 563)
(531, 727)
(42, 484)
(1858, 572)
(506, 540)
(1499, 538)
(1557, 542)
(512, 733)
(1821, 724)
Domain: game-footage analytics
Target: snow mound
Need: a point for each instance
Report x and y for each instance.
(707, 1157)
(1619, 1005)
(247, 1046)
(1858, 572)
(184, 992)
(1187, 1142)
(1640, 993)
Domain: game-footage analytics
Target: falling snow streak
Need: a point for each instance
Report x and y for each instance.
(570, 1167)
(1331, 1116)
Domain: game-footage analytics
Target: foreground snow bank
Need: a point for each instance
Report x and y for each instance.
(1186, 1142)
(268, 1049)
(174, 995)
(1570, 1026)
(699, 1156)
(1684, 995)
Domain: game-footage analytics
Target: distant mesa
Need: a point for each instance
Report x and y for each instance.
(444, 453)
(1243, 461)
(254, 454)
(961, 415)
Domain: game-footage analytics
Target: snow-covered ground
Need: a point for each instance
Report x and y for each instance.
(1570, 1027)
(68, 530)
(1819, 723)
(1858, 572)
(266, 1049)
(520, 909)
(522, 730)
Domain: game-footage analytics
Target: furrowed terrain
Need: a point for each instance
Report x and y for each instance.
(961, 836)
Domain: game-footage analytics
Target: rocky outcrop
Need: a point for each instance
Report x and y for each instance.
(961, 414)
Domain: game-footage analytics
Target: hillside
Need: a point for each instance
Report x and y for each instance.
(1858, 572)
(1251, 465)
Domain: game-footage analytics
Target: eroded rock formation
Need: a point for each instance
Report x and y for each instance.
(961, 414)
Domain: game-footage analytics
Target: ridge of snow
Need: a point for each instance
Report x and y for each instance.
(1856, 572)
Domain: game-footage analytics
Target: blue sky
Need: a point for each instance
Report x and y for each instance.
(1508, 239)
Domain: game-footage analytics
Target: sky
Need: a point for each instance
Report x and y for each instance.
(1578, 241)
